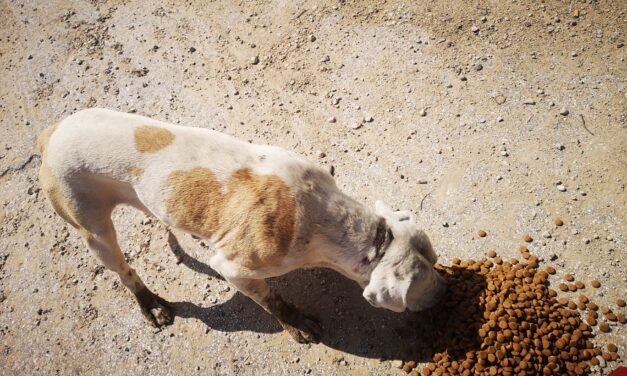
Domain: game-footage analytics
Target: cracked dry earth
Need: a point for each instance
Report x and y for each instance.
(486, 115)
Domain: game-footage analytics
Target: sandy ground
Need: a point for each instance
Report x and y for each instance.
(480, 114)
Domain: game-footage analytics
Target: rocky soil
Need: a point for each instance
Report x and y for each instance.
(497, 116)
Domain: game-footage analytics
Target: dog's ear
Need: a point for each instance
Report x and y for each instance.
(382, 238)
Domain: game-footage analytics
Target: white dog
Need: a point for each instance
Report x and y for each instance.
(266, 210)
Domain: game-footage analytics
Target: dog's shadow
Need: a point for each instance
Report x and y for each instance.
(349, 323)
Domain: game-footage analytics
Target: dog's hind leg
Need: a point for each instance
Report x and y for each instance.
(101, 239)
(302, 328)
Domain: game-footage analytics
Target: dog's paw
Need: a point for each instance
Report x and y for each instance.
(155, 309)
(306, 329)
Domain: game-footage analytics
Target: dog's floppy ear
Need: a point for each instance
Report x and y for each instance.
(382, 238)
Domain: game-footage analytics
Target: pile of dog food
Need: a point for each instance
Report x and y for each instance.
(502, 318)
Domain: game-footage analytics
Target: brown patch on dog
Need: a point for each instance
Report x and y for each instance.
(151, 139)
(256, 215)
(135, 171)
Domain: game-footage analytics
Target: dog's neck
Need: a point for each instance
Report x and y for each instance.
(350, 231)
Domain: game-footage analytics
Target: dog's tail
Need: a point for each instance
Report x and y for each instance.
(44, 136)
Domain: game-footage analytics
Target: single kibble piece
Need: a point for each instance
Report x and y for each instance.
(604, 327)
(558, 222)
(527, 238)
(592, 306)
(583, 298)
(579, 285)
(596, 284)
(563, 287)
(620, 303)
(605, 310)
(569, 277)
(551, 270)
(621, 318)
(491, 253)
(611, 316)
(591, 321)
(481, 233)
(611, 347)
(572, 287)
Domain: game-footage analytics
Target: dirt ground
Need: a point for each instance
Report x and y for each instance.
(499, 115)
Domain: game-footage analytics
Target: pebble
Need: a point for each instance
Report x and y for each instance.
(564, 111)
(332, 119)
(254, 60)
(356, 125)
(474, 29)
(547, 234)
(560, 146)
(321, 154)
(422, 181)
(527, 238)
(499, 119)
(312, 38)
(423, 112)
(529, 101)
(368, 119)
(478, 67)
(444, 224)
(561, 188)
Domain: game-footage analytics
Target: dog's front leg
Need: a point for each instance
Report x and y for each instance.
(302, 328)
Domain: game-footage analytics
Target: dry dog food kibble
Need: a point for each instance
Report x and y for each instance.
(502, 318)
(558, 222)
(596, 284)
(620, 303)
(481, 233)
(527, 238)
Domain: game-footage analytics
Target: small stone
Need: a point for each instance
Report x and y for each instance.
(343, 363)
(254, 60)
(504, 153)
(499, 119)
(474, 29)
(312, 38)
(478, 67)
(560, 146)
(529, 101)
(481, 233)
(423, 112)
(368, 119)
(332, 119)
(546, 234)
(192, 50)
(356, 125)
(444, 224)
(321, 154)
(564, 111)
(422, 181)
(561, 188)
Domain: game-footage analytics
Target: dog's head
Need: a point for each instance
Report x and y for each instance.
(404, 276)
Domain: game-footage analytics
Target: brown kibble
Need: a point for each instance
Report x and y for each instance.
(572, 287)
(596, 284)
(582, 298)
(550, 270)
(558, 222)
(456, 261)
(579, 285)
(611, 316)
(591, 321)
(605, 310)
(563, 287)
(620, 303)
(604, 327)
(569, 277)
(407, 368)
(611, 347)
(621, 318)
(527, 238)
(481, 233)
(491, 253)
(592, 306)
